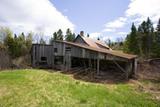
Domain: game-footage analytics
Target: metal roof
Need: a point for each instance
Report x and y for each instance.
(93, 43)
(101, 50)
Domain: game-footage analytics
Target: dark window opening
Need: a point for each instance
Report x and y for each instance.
(68, 48)
(55, 50)
(43, 58)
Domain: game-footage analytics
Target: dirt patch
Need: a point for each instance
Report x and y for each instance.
(149, 71)
(90, 75)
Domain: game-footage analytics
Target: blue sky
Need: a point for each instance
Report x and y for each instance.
(100, 18)
(91, 16)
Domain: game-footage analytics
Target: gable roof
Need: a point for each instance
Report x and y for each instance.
(93, 43)
(111, 52)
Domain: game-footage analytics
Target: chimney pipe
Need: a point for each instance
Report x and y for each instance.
(81, 33)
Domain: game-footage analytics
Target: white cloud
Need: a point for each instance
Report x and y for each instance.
(32, 15)
(118, 23)
(109, 30)
(141, 9)
(95, 35)
(122, 33)
(138, 11)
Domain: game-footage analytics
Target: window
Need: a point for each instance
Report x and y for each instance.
(43, 58)
(68, 48)
(55, 50)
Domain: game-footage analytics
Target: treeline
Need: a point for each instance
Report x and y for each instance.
(20, 45)
(15, 45)
(144, 40)
(59, 36)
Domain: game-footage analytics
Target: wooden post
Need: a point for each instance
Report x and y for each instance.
(98, 64)
(64, 57)
(53, 56)
(128, 69)
(90, 63)
(135, 66)
(68, 61)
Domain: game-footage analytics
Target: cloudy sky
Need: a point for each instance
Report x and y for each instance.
(100, 18)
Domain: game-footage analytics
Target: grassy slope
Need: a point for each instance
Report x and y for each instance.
(34, 88)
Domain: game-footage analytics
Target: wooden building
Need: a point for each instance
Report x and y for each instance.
(83, 52)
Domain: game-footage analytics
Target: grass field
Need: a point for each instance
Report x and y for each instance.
(38, 88)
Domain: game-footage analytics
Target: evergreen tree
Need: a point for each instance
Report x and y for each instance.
(158, 26)
(69, 36)
(131, 41)
(29, 39)
(42, 41)
(156, 42)
(9, 41)
(145, 41)
(15, 36)
(59, 35)
(55, 36)
(88, 35)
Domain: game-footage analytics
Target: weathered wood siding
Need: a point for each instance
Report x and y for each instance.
(39, 51)
(80, 41)
(68, 51)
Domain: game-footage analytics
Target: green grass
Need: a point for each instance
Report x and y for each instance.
(38, 88)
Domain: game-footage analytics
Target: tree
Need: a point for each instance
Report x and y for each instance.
(9, 41)
(53, 38)
(131, 44)
(2, 34)
(108, 42)
(88, 35)
(59, 35)
(42, 41)
(29, 39)
(69, 36)
(145, 41)
(158, 26)
(156, 42)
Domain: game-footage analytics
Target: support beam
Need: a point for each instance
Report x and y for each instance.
(122, 69)
(53, 56)
(129, 69)
(98, 64)
(135, 66)
(90, 63)
(64, 59)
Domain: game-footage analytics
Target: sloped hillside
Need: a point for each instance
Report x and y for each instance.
(39, 88)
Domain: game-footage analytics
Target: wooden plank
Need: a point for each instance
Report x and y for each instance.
(122, 69)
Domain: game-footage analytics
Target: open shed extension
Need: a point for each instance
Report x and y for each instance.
(101, 65)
